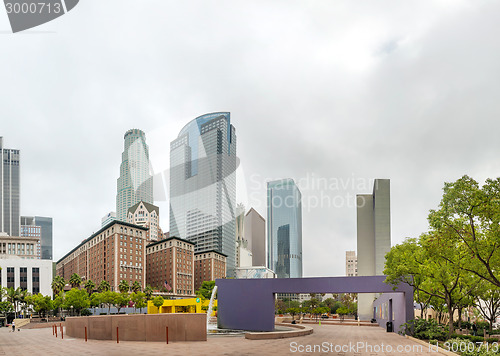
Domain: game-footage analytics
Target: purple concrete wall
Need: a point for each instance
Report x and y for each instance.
(398, 307)
(140, 327)
(248, 304)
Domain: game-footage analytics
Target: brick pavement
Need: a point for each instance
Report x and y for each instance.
(41, 342)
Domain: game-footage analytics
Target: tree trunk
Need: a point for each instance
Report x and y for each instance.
(460, 318)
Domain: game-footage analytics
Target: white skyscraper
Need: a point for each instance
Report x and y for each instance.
(135, 183)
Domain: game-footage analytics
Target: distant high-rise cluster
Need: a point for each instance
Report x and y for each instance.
(135, 182)
(25, 242)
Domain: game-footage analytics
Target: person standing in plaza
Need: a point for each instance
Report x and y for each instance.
(13, 325)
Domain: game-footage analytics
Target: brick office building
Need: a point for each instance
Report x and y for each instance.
(114, 253)
(170, 266)
(208, 266)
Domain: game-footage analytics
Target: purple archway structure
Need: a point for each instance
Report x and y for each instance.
(248, 304)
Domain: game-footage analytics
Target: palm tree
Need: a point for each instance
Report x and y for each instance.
(75, 280)
(104, 286)
(58, 284)
(89, 286)
(136, 287)
(13, 296)
(149, 292)
(123, 286)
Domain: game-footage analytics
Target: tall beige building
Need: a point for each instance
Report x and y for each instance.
(351, 264)
(255, 234)
(373, 237)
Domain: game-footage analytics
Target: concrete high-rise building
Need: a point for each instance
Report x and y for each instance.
(255, 234)
(106, 219)
(351, 264)
(10, 190)
(203, 185)
(243, 252)
(373, 237)
(30, 225)
(284, 228)
(146, 215)
(135, 182)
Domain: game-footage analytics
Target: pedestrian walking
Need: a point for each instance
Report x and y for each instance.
(13, 325)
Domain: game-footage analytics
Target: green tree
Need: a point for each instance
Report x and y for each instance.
(121, 300)
(41, 304)
(75, 280)
(470, 216)
(158, 301)
(123, 286)
(77, 299)
(104, 286)
(205, 291)
(57, 285)
(57, 303)
(487, 301)
(108, 298)
(89, 286)
(139, 299)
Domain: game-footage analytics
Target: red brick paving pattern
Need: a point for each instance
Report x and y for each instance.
(41, 342)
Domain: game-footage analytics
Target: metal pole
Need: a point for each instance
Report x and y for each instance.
(167, 334)
(117, 338)
(85, 334)
(52, 329)
(62, 332)
(55, 328)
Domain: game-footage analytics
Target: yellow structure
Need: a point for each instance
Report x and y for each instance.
(191, 305)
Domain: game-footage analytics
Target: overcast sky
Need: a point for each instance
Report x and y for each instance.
(320, 91)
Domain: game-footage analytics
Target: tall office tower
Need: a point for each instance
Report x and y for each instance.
(373, 237)
(135, 182)
(255, 234)
(203, 185)
(9, 190)
(284, 228)
(30, 225)
(351, 264)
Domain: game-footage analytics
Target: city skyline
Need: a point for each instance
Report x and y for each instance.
(398, 90)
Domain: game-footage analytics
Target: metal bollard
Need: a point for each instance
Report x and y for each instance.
(167, 334)
(85, 334)
(117, 338)
(55, 328)
(52, 329)
(62, 332)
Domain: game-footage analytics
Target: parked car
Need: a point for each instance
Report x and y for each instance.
(324, 316)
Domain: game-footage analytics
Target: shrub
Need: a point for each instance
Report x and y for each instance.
(86, 312)
(425, 329)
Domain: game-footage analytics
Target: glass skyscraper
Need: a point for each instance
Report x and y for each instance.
(284, 228)
(203, 185)
(45, 225)
(135, 182)
(9, 191)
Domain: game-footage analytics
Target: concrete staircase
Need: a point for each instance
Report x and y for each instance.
(21, 322)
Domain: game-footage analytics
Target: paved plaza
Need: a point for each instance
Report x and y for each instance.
(326, 340)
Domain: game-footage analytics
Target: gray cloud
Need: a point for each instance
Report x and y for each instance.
(342, 90)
